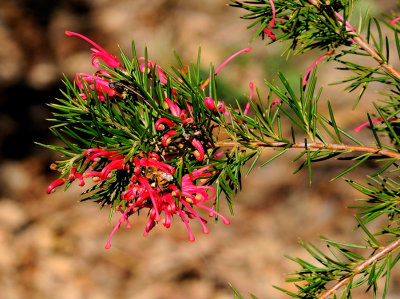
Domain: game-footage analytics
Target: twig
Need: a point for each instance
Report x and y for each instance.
(392, 246)
(316, 145)
(368, 48)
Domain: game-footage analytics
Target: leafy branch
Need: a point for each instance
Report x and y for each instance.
(160, 141)
(324, 25)
(385, 253)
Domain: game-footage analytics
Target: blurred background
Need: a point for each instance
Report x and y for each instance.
(51, 246)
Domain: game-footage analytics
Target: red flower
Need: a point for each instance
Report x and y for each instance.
(376, 120)
(248, 49)
(304, 82)
(199, 153)
(209, 103)
(97, 84)
(143, 196)
(150, 64)
(272, 23)
(151, 187)
(392, 22)
(99, 52)
(54, 184)
(269, 33)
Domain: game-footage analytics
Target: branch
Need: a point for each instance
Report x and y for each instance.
(392, 246)
(368, 48)
(316, 145)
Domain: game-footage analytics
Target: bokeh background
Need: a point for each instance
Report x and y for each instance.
(53, 246)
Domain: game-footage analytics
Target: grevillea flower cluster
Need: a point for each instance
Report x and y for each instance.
(167, 170)
(151, 187)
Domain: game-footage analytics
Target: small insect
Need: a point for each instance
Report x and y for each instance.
(160, 178)
(123, 88)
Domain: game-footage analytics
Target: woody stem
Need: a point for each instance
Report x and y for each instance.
(317, 145)
(369, 49)
(381, 254)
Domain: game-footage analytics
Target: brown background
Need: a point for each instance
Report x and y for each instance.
(53, 246)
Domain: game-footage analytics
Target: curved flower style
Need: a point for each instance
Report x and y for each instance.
(186, 121)
(209, 103)
(99, 52)
(97, 84)
(269, 33)
(162, 76)
(308, 71)
(152, 187)
(272, 23)
(394, 21)
(248, 49)
(376, 120)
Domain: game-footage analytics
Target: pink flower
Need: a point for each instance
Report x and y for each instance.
(54, 184)
(162, 76)
(275, 101)
(272, 23)
(248, 49)
(199, 153)
(358, 129)
(174, 108)
(340, 18)
(246, 109)
(304, 82)
(176, 111)
(166, 140)
(145, 192)
(160, 124)
(97, 84)
(392, 22)
(142, 195)
(269, 33)
(160, 165)
(94, 154)
(209, 103)
(99, 52)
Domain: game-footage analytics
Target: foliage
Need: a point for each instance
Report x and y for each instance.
(160, 141)
(324, 25)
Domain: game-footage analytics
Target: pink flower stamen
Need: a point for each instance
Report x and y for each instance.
(224, 220)
(197, 144)
(53, 185)
(159, 125)
(358, 129)
(160, 165)
(392, 22)
(348, 25)
(209, 103)
(246, 110)
(99, 52)
(162, 76)
(193, 212)
(167, 138)
(248, 49)
(152, 194)
(175, 110)
(272, 23)
(269, 33)
(80, 178)
(118, 225)
(186, 222)
(304, 82)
